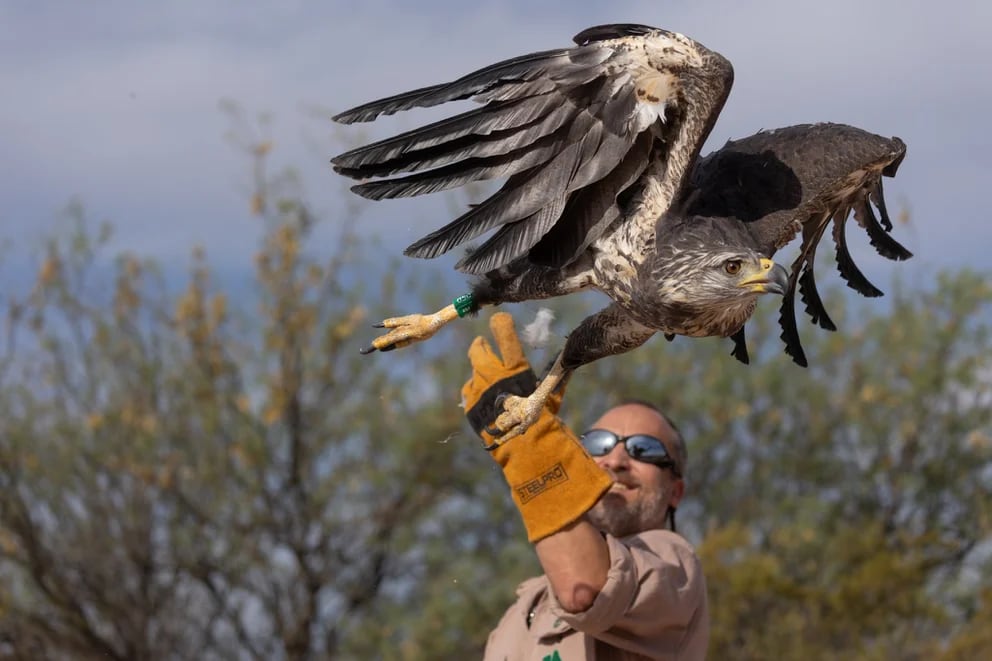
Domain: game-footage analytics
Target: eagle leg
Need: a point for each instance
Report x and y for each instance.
(606, 333)
(409, 329)
(519, 413)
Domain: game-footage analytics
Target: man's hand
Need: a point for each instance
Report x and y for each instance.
(553, 479)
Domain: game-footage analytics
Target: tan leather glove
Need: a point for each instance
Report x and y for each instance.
(553, 479)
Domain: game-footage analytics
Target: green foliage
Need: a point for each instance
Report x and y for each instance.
(190, 475)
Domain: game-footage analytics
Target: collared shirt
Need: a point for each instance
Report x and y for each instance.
(653, 606)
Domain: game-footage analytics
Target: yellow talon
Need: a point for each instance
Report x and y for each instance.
(409, 329)
(519, 413)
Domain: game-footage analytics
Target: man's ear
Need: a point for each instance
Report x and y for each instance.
(678, 491)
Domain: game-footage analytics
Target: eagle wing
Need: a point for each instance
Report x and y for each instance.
(799, 180)
(571, 130)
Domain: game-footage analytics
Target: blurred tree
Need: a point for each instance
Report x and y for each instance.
(200, 475)
(844, 511)
(181, 479)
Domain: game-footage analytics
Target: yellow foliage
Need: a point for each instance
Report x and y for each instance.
(50, 271)
(774, 416)
(304, 319)
(189, 307)
(126, 296)
(288, 244)
(347, 326)
(218, 310)
(257, 205)
(782, 576)
(271, 414)
(978, 440)
(148, 423)
(315, 274)
(273, 410)
(126, 299)
(134, 418)
(132, 267)
(8, 543)
(240, 456)
(141, 471)
(242, 403)
(94, 421)
(974, 640)
(166, 478)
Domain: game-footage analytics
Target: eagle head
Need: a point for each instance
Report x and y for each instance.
(706, 278)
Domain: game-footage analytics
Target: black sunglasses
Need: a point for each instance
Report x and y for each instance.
(642, 447)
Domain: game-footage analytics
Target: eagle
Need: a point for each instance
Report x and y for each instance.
(598, 146)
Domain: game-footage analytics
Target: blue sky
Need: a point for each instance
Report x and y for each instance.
(117, 103)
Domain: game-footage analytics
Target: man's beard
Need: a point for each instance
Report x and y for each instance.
(615, 515)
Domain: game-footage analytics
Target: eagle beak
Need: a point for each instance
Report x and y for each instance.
(769, 278)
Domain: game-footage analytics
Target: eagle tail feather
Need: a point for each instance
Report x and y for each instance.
(811, 299)
(879, 238)
(848, 270)
(790, 330)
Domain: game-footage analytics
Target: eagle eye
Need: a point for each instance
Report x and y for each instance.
(732, 266)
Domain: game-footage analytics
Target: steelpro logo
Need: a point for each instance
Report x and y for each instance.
(549, 479)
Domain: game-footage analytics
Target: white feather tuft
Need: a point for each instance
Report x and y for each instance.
(538, 332)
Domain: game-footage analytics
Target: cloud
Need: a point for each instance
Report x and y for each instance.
(118, 103)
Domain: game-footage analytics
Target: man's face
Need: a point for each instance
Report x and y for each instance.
(642, 493)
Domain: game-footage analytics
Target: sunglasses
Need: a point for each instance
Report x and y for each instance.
(642, 447)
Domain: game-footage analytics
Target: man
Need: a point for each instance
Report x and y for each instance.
(617, 584)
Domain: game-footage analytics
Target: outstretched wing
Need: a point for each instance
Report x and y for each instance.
(570, 129)
(798, 180)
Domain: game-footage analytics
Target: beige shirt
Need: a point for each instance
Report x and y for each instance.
(653, 606)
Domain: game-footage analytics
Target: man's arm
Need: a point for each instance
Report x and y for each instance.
(553, 480)
(654, 598)
(575, 560)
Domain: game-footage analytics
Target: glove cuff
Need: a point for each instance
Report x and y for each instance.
(552, 478)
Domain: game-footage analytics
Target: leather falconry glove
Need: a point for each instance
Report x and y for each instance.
(553, 479)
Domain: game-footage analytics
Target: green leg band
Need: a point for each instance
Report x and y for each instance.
(464, 304)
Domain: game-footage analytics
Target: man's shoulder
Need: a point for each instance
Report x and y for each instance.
(659, 539)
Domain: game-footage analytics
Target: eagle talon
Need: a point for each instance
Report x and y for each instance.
(515, 420)
(367, 350)
(404, 331)
(519, 413)
(493, 430)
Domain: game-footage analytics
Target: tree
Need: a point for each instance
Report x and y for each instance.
(193, 474)
(843, 510)
(181, 479)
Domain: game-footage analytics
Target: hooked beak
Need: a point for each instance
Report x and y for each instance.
(769, 278)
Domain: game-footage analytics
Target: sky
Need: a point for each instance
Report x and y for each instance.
(116, 104)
